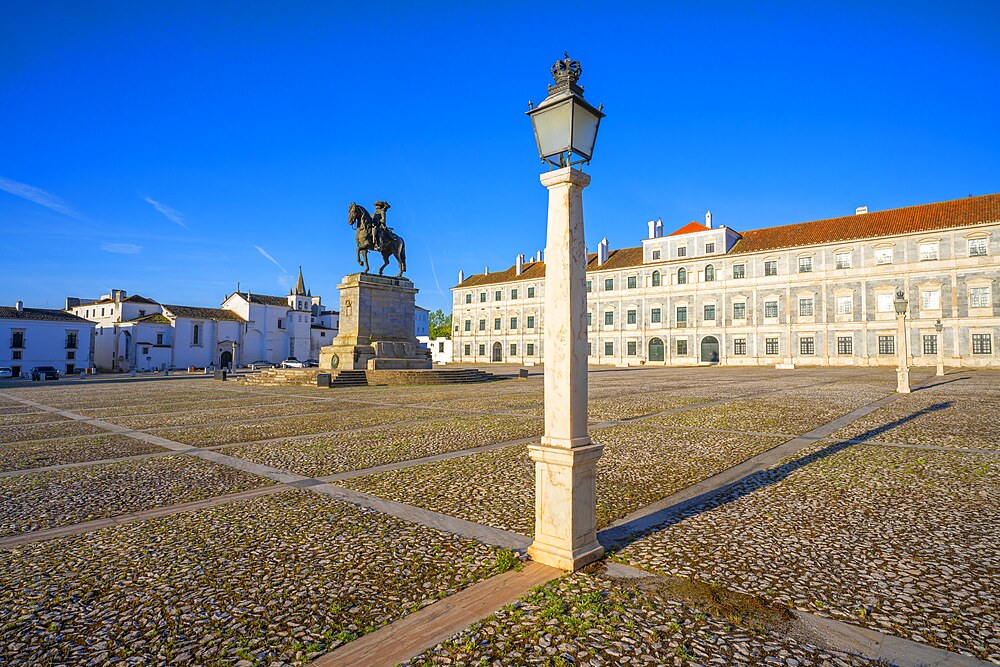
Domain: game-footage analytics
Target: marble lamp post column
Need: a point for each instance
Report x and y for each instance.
(902, 370)
(566, 459)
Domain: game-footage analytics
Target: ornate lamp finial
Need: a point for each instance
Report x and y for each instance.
(566, 72)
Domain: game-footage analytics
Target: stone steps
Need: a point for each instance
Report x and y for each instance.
(306, 377)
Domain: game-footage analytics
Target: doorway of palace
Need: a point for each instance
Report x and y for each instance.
(226, 360)
(656, 350)
(497, 352)
(710, 349)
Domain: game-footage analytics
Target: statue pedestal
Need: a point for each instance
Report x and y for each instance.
(376, 331)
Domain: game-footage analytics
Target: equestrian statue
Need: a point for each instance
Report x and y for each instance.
(373, 234)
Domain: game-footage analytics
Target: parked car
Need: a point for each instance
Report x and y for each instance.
(6, 373)
(258, 365)
(44, 373)
(311, 363)
(292, 362)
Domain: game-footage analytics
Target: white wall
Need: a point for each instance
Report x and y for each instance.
(45, 344)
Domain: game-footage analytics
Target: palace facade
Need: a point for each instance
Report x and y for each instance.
(812, 293)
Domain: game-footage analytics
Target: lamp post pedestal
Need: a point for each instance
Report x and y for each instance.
(902, 370)
(566, 459)
(940, 354)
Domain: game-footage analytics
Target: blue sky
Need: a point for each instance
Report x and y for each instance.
(172, 149)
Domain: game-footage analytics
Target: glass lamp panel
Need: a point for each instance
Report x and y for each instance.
(552, 129)
(584, 130)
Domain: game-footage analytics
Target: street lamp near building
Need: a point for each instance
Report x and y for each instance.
(566, 460)
(939, 328)
(902, 370)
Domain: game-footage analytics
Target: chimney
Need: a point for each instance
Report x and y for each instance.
(19, 306)
(708, 219)
(861, 209)
(652, 229)
(659, 227)
(602, 251)
(487, 271)
(518, 264)
(538, 258)
(461, 277)
(72, 302)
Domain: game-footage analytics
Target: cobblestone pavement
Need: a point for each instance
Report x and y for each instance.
(903, 541)
(27, 455)
(269, 581)
(228, 413)
(63, 497)
(320, 456)
(55, 429)
(641, 464)
(590, 619)
(764, 415)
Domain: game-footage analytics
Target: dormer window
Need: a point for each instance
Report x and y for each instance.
(656, 254)
(682, 252)
(709, 248)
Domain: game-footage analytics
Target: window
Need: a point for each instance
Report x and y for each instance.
(609, 349)
(805, 307)
(468, 325)
(609, 284)
(844, 305)
(709, 273)
(482, 350)
(159, 339)
(513, 349)
(590, 349)
(710, 313)
(770, 346)
(656, 254)
(807, 345)
(468, 350)
(496, 324)
(15, 354)
(631, 348)
(740, 346)
(930, 300)
(531, 292)
(589, 287)
(884, 303)
(930, 344)
(739, 270)
(630, 317)
(513, 293)
(682, 348)
(770, 309)
(468, 298)
(531, 321)
(482, 325)
(682, 252)
(928, 251)
(739, 311)
(513, 323)
(709, 248)
(883, 255)
(843, 260)
(654, 315)
(887, 345)
(17, 339)
(530, 349)
(498, 295)
(609, 318)
(70, 340)
(977, 247)
(682, 277)
(656, 278)
(771, 267)
(682, 314)
(196, 333)
(979, 297)
(805, 264)
(632, 282)
(982, 343)
(145, 350)
(590, 319)
(482, 297)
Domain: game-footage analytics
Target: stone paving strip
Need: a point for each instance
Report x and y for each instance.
(45, 500)
(228, 414)
(900, 541)
(591, 619)
(16, 456)
(319, 456)
(274, 580)
(641, 465)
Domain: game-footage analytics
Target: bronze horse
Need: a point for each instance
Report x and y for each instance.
(391, 246)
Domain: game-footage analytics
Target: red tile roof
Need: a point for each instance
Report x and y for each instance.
(690, 227)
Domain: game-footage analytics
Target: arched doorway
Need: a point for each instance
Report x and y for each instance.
(710, 349)
(226, 360)
(656, 349)
(497, 352)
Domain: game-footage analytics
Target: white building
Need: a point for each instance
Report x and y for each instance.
(812, 293)
(440, 348)
(43, 337)
(421, 322)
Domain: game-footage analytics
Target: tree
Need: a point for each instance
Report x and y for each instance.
(440, 324)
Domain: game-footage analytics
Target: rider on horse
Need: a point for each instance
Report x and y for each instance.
(379, 230)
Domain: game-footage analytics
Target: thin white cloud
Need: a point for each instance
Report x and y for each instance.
(434, 273)
(269, 258)
(40, 197)
(122, 248)
(171, 214)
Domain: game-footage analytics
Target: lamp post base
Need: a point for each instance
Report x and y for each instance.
(902, 382)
